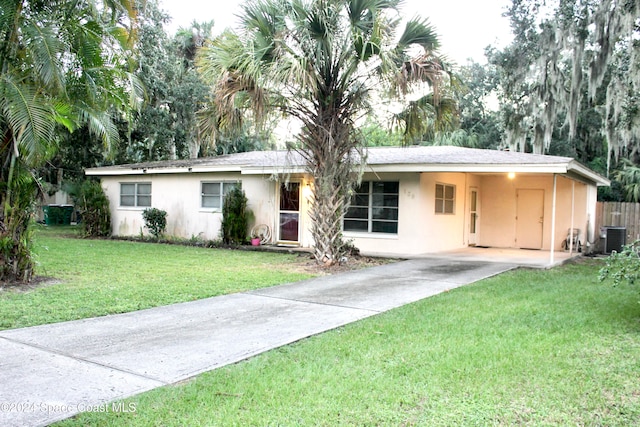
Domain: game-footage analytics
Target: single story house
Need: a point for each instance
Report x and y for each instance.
(412, 200)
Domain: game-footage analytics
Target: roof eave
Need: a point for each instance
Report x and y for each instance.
(159, 171)
(472, 168)
(583, 171)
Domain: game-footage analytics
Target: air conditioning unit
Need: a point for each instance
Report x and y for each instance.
(614, 238)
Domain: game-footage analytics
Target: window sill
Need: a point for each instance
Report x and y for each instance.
(362, 235)
(133, 208)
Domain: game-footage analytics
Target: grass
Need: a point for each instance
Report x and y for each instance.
(100, 277)
(527, 347)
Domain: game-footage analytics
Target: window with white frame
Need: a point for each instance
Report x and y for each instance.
(135, 194)
(445, 198)
(212, 193)
(374, 208)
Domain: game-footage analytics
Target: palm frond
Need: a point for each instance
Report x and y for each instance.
(419, 32)
(426, 68)
(101, 125)
(29, 116)
(426, 117)
(46, 49)
(63, 114)
(208, 125)
(137, 91)
(87, 41)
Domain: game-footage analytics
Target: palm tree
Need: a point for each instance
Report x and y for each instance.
(629, 177)
(62, 65)
(321, 62)
(429, 118)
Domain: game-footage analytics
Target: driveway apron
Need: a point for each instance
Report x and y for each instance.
(52, 372)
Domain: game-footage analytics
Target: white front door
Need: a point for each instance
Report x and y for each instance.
(474, 210)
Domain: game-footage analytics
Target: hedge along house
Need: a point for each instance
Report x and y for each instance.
(412, 201)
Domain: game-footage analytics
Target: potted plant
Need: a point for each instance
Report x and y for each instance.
(260, 234)
(256, 239)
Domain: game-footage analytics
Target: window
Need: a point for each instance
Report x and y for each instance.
(445, 198)
(374, 208)
(135, 194)
(213, 193)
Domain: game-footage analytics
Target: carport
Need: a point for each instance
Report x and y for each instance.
(521, 257)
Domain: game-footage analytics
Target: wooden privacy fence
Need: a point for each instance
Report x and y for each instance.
(619, 214)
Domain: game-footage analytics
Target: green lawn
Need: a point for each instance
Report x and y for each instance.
(99, 277)
(535, 348)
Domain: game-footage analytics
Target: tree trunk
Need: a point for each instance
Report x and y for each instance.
(326, 213)
(17, 196)
(331, 152)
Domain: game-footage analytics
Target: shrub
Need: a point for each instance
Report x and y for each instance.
(93, 206)
(16, 227)
(155, 220)
(235, 217)
(623, 266)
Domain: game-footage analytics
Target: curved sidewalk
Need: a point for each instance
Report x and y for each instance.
(52, 372)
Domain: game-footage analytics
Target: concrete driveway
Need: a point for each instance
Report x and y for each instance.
(52, 372)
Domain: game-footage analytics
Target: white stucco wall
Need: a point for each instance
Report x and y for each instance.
(180, 196)
(444, 231)
(409, 239)
(420, 229)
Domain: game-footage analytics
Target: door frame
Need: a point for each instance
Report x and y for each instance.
(280, 211)
(474, 217)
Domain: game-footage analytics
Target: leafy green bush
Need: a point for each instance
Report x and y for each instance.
(93, 206)
(235, 217)
(623, 266)
(155, 220)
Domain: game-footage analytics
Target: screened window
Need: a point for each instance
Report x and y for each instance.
(445, 198)
(212, 194)
(135, 194)
(374, 208)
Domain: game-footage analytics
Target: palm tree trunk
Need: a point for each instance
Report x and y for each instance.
(329, 151)
(326, 216)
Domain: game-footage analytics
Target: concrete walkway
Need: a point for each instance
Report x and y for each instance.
(52, 372)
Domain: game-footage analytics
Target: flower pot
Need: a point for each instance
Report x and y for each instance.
(255, 241)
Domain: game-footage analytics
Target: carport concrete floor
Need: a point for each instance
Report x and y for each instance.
(532, 258)
(52, 372)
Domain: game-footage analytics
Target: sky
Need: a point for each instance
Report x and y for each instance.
(465, 27)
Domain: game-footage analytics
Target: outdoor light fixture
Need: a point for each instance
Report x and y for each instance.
(306, 191)
(511, 175)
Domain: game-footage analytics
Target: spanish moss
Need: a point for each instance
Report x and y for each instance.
(566, 51)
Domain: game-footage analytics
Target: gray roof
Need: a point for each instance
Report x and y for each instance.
(233, 161)
(455, 155)
(380, 159)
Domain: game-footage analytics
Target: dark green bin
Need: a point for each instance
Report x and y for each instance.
(57, 214)
(67, 213)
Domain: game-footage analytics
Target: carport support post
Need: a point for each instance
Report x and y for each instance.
(553, 220)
